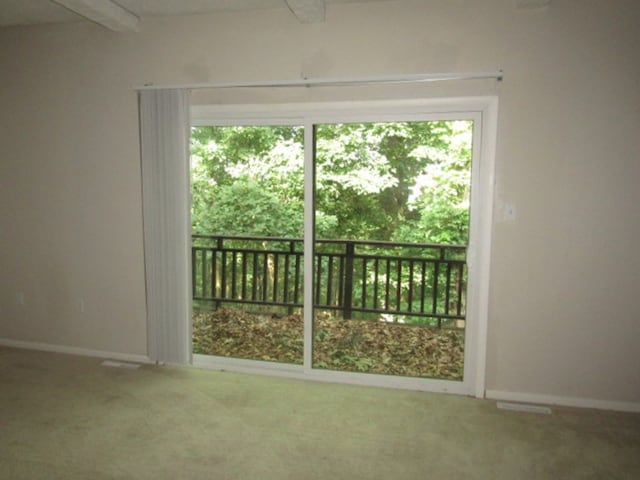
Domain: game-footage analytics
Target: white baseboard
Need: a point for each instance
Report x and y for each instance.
(532, 398)
(85, 352)
(563, 401)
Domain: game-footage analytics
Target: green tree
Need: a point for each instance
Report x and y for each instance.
(369, 174)
(247, 180)
(440, 198)
(404, 181)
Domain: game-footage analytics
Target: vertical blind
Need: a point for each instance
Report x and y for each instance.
(164, 132)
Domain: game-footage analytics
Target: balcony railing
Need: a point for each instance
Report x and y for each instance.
(352, 278)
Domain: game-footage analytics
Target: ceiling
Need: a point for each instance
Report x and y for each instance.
(126, 13)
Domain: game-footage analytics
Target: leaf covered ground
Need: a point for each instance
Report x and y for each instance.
(348, 345)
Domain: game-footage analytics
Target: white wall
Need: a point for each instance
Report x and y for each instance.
(565, 273)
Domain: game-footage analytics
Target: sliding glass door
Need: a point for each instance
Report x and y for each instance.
(247, 256)
(333, 241)
(391, 233)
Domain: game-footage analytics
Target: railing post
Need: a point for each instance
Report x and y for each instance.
(219, 245)
(292, 251)
(348, 281)
(194, 276)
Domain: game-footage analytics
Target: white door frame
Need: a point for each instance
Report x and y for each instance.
(483, 111)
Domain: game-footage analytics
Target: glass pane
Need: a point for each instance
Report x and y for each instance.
(247, 220)
(391, 230)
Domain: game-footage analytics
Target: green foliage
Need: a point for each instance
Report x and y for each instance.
(402, 181)
(439, 204)
(247, 180)
(246, 208)
(405, 181)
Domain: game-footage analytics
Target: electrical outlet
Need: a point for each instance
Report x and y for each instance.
(20, 298)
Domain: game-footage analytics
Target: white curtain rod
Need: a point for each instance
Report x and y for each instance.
(335, 82)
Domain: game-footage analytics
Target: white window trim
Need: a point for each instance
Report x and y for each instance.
(483, 110)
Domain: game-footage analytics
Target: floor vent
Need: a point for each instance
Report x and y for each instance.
(111, 363)
(521, 407)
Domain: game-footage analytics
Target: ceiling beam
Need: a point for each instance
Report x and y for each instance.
(307, 11)
(103, 12)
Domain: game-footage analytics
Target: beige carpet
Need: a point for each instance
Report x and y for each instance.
(68, 417)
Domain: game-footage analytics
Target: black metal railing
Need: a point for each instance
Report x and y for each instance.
(351, 277)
